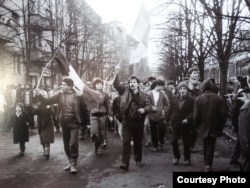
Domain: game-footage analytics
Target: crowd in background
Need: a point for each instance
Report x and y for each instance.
(141, 113)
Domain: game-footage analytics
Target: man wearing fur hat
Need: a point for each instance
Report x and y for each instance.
(73, 113)
(180, 118)
(134, 105)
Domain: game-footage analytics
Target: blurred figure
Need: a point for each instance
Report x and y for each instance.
(180, 118)
(98, 117)
(45, 125)
(134, 106)
(147, 132)
(27, 101)
(20, 123)
(55, 91)
(2, 106)
(160, 104)
(194, 90)
(73, 113)
(244, 122)
(209, 117)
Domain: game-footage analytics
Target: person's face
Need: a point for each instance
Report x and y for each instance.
(18, 109)
(141, 86)
(56, 87)
(159, 88)
(99, 86)
(65, 87)
(172, 88)
(194, 75)
(133, 84)
(183, 91)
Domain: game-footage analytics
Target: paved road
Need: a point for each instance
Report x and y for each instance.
(33, 171)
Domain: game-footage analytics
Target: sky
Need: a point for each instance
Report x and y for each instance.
(125, 11)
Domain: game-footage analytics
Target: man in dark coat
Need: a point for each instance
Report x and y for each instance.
(180, 118)
(209, 116)
(134, 105)
(244, 128)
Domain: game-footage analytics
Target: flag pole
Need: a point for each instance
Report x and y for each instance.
(40, 78)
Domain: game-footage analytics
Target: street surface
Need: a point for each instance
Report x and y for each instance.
(33, 171)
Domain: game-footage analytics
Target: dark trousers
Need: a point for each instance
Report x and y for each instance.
(70, 132)
(237, 151)
(245, 163)
(181, 131)
(132, 130)
(22, 146)
(193, 137)
(55, 119)
(157, 129)
(208, 147)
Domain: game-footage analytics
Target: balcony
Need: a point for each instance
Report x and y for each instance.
(38, 22)
(39, 56)
(7, 33)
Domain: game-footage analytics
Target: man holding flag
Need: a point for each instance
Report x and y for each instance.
(72, 114)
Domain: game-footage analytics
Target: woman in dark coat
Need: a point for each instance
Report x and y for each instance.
(20, 123)
(45, 126)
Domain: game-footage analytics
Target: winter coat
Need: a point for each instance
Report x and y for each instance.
(244, 130)
(176, 115)
(45, 124)
(162, 106)
(80, 107)
(209, 114)
(20, 127)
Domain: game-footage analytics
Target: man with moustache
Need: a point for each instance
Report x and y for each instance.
(134, 105)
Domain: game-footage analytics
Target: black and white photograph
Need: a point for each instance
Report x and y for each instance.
(124, 93)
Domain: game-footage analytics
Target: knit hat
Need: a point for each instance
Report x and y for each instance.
(195, 68)
(183, 84)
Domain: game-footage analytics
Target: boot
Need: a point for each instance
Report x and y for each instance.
(67, 168)
(43, 150)
(73, 169)
(46, 152)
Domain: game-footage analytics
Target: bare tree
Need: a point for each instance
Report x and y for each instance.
(225, 26)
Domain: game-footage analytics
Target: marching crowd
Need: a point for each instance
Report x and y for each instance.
(139, 112)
